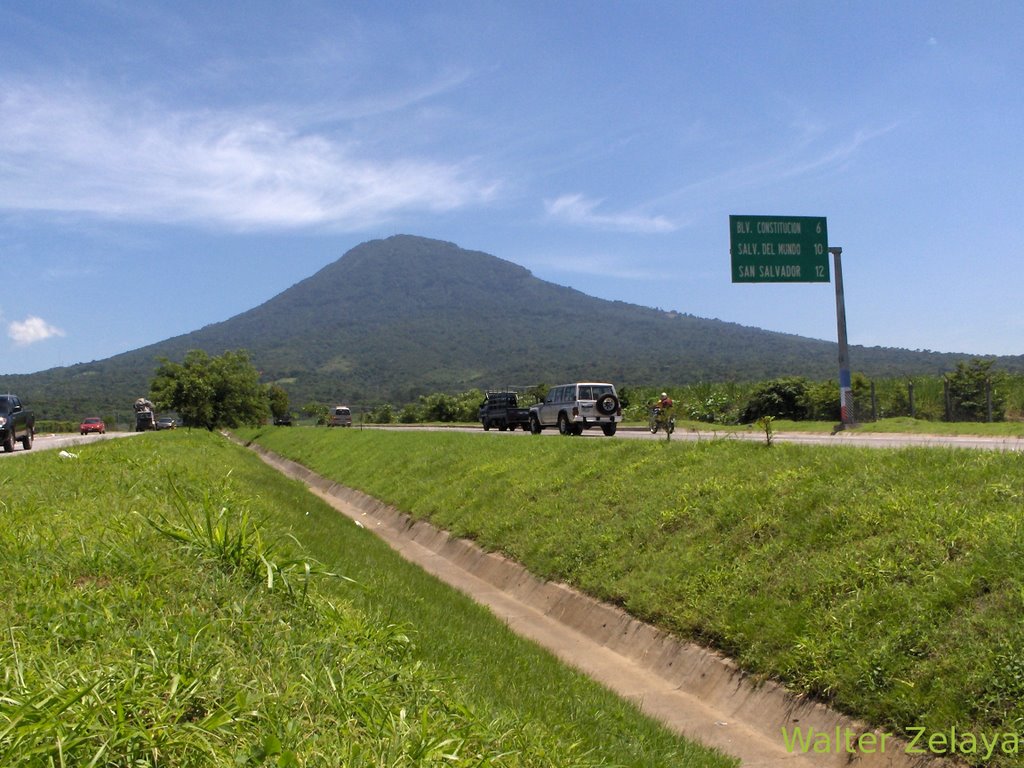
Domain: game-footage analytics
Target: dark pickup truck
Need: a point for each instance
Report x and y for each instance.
(16, 423)
(501, 410)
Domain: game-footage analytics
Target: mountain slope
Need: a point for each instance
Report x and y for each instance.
(399, 317)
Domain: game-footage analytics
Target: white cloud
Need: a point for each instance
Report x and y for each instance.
(808, 153)
(580, 211)
(31, 330)
(62, 151)
(600, 265)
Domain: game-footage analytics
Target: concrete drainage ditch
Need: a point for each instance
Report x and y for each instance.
(692, 690)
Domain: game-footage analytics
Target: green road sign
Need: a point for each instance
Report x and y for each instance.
(779, 249)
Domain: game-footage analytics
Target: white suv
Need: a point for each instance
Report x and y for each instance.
(575, 407)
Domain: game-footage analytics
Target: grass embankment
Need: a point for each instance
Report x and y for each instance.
(897, 425)
(889, 583)
(204, 643)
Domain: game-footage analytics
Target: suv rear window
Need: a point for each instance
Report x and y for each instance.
(591, 392)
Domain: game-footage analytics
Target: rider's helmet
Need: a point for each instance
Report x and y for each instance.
(664, 394)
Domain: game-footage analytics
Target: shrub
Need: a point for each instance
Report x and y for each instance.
(784, 398)
(971, 386)
(382, 414)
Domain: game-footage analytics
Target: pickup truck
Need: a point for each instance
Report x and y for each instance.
(16, 423)
(145, 415)
(501, 410)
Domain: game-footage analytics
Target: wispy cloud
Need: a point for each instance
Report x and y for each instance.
(62, 151)
(31, 330)
(837, 155)
(809, 153)
(581, 211)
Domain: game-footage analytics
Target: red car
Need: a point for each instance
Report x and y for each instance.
(92, 424)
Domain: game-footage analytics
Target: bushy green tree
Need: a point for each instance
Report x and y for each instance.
(211, 392)
(381, 414)
(278, 398)
(443, 407)
(410, 414)
(784, 398)
(316, 411)
(970, 387)
(468, 406)
(705, 402)
(438, 407)
(822, 400)
(538, 393)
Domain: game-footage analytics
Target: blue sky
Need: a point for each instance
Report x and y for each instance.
(166, 165)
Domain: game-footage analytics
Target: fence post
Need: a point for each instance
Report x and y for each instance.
(910, 395)
(988, 398)
(874, 403)
(945, 397)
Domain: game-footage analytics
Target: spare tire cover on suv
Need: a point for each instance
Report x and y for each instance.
(607, 404)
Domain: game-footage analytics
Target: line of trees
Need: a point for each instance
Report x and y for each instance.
(225, 392)
(971, 392)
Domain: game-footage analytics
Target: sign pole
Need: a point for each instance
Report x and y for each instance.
(845, 381)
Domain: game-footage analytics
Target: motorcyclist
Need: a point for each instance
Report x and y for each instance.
(661, 414)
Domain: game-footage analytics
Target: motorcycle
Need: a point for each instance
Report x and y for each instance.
(658, 420)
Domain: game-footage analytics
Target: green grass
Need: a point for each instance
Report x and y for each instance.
(922, 427)
(888, 583)
(895, 425)
(169, 600)
(899, 424)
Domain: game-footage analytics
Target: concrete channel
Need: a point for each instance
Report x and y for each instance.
(692, 690)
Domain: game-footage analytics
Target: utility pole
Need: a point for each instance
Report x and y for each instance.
(845, 381)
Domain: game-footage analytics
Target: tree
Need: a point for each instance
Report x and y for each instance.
(211, 392)
(538, 392)
(317, 411)
(278, 398)
(822, 399)
(438, 407)
(784, 398)
(972, 386)
(381, 414)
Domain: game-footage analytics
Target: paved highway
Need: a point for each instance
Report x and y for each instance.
(44, 442)
(848, 437)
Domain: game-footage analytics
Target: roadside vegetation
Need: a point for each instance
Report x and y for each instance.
(225, 391)
(968, 395)
(169, 600)
(884, 582)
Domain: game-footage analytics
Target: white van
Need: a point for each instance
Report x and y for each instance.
(341, 416)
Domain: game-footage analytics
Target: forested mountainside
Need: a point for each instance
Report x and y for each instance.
(403, 316)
